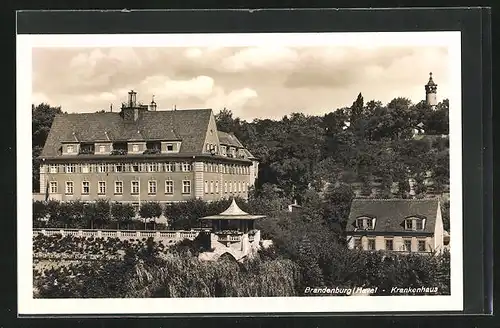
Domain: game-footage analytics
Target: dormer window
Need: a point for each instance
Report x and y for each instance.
(223, 150)
(365, 223)
(170, 147)
(70, 149)
(414, 223)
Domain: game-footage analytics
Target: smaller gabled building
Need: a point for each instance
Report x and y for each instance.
(399, 225)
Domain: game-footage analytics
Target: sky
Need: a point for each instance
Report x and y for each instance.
(253, 82)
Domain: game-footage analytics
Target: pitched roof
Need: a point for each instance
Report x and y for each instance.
(233, 212)
(390, 213)
(229, 139)
(187, 125)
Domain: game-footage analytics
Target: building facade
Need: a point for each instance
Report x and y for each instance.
(398, 225)
(143, 154)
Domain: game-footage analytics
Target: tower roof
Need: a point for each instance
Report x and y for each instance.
(233, 212)
(431, 81)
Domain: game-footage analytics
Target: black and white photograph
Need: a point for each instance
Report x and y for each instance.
(222, 173)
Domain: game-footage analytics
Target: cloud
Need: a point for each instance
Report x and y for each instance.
(162, 86)
(235, 100)
(276, 58)
(39, 97)
(251, 81)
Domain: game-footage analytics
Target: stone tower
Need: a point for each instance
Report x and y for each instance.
(430, 92)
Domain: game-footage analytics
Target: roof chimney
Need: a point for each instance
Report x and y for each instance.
(153, 104)
(132, 100)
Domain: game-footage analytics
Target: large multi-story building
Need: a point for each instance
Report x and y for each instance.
(143, 154)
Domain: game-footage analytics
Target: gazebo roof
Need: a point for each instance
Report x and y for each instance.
(233, 212)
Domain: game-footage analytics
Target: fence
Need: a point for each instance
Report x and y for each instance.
(177, 235)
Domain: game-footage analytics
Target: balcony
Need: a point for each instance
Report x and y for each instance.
(229, 235)
(153, 151)
(86, 149)
(119, 152)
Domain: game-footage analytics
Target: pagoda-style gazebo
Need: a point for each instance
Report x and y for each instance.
(233, 231)
(233, 219)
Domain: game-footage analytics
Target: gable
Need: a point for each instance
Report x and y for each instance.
(211, 135)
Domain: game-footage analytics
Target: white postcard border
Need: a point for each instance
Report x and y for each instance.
(27, 305)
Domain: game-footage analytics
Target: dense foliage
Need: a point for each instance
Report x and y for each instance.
(101, 214)
(41, 118)
(150, 269)
(366, 143)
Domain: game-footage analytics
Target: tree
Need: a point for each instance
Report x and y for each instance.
(122, 213)
(337, 205)
(357, 110)
(150, 210)
(42, 117)
(102, 212)
(225, 121)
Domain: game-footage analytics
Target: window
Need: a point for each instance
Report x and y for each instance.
(85, 187)
(168, 167)
(364, 223)
(407, 245)
(223, 150)
(70, 168)
(225, 186)
(118, 167)
(70, 149)
(421, 246)
(102, 149)
(186, 167)
(389, 244)
(53, 168)
(118, 187)
(102, 168)
(152, 167)
(216, 187)
(230, 186)
(216, 168)
(135, 148)
(134, 167)
(69, 187)
(211, 187)
(239, 186)
(85, 168)
(53, 187)
(414, 224)
(170, 147)
(371, 244)
(102, 187)
(169, 187)
(206, 187)
(134, 187)
(357, 243)
(151, 187)
(186, 187)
